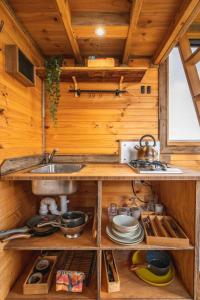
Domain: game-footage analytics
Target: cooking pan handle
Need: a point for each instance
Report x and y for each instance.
(52, 223)
(145, 136)
(17, 236)
(139, 266)
(5, 233)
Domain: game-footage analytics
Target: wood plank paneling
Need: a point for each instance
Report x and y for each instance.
(93, 123)
(20, 123)
(20, 135)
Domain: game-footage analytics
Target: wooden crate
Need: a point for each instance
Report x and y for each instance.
(101, 62)
(164, 233)
(115, 285)
(40, 288)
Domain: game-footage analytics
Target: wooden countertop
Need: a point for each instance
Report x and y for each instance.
(103, 172)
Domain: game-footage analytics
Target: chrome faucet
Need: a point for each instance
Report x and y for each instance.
(51, 156)
(48, 157)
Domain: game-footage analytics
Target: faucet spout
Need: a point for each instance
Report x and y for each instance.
(51, 155)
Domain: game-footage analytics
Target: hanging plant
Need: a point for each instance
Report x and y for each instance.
(53, 71)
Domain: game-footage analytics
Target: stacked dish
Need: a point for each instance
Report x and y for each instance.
(125, 230)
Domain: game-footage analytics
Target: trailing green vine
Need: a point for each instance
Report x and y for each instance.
(53, 71)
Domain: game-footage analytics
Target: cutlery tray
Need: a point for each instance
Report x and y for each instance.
(163, 231)
(44, 286)
(110, 266)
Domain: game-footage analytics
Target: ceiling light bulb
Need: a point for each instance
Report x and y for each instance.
(100, 31)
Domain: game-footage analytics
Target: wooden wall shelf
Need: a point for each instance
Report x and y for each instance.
(85, 74)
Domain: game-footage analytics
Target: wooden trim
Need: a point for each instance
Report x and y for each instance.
(186, 15)
(165, 146)
(194, 58)
(134, 17)
(191, 73)
(65, 16)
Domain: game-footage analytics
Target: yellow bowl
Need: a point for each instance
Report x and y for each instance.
(139, 257)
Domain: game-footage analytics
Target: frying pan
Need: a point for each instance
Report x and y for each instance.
(30, 229)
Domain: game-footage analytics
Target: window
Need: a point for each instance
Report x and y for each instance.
(183, 123)
(179, 126)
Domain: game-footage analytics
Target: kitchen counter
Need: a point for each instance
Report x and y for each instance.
(101, 171)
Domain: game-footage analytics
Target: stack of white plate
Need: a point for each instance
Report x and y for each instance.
(125, 230)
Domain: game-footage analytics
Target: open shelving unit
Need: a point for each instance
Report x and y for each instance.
(85, 74)
(175, 195)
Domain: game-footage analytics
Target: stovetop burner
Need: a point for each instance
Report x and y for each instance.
(156, 167)
(148, 165)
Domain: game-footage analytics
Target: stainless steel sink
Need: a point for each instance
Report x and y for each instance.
(58, 169)
(46, 187)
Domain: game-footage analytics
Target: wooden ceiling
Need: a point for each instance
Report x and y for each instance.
(133, 28)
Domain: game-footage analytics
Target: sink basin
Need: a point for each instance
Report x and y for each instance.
(55, 186)
(58, 169)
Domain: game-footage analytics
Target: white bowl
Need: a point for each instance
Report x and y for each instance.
(123, 223)
(126, 235)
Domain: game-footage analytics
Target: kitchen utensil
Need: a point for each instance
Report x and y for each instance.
(145, 151)
(30, 229)
(35, 278)
(73, 218)
(147, 225)
(71, 232)
(42, 266)
(146, 275)
(157, 262)
(125, 223)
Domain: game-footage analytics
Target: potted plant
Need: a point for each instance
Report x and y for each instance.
(53, 71)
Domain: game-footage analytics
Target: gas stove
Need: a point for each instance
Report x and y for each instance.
(155, 167)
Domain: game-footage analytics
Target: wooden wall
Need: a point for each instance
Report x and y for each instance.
(20, 124)
(20, 135)
(92, 123)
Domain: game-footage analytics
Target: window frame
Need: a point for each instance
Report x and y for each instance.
(166, 146)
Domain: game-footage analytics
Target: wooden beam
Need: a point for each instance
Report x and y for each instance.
(190, 72)
(186, 15)
(112, 31)
(65, 15)
(194, 58)
(194, 31)
(134, 17)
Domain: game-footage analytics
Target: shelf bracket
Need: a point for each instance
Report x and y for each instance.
(76, 93)
(120, 85)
